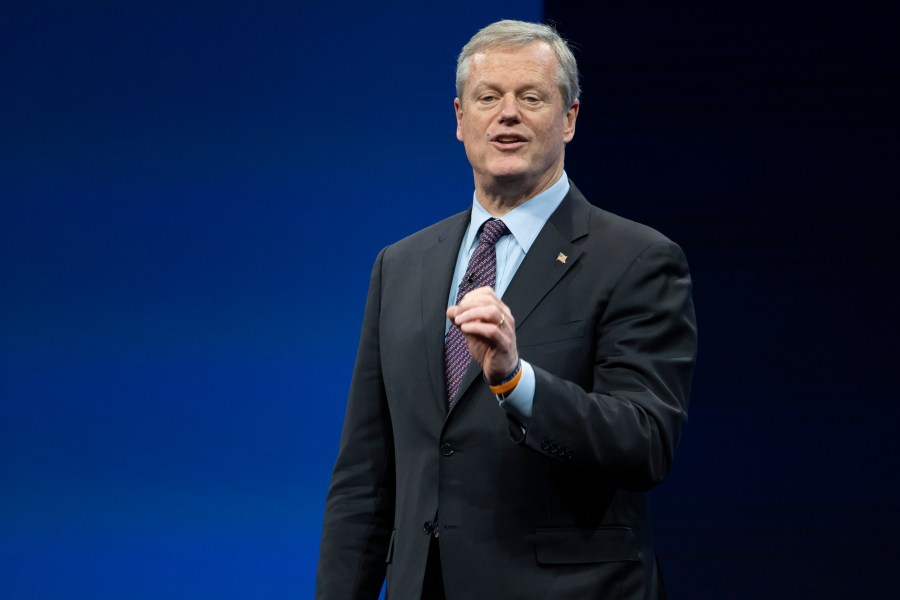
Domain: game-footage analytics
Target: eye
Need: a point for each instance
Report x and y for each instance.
(532, 100)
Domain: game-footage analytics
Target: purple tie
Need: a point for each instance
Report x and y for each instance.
(482, 271)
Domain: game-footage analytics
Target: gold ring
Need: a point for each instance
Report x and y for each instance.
(502, 320)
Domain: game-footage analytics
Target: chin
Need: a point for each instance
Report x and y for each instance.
(508, 171)
(509, 176)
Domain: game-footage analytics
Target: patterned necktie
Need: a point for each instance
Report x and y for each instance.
(482, 271)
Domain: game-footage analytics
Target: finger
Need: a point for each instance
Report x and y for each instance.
(474, 300)
(482, 294)
(497, 329)
(487, 313)
(487, 333)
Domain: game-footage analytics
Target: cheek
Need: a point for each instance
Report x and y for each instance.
(469, 131)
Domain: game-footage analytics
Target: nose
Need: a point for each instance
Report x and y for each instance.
(509, 110)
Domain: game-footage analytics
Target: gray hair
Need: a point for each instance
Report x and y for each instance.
(519, 33)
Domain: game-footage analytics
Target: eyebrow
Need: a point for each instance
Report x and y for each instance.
(525, 87)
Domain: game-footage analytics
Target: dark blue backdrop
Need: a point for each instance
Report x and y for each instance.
(191, 196)
(762, 136)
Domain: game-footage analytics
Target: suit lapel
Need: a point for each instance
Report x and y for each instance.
(550, 257)
(438, 264)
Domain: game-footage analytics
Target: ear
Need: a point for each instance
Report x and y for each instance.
(570, 116)
(457, 107)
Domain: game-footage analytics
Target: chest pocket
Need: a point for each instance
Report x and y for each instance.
(548, 334)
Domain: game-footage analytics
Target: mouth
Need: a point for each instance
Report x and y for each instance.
(508, 140)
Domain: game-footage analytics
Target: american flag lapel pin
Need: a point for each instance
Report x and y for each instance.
(562, 258)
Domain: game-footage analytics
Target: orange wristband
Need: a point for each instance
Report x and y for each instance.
(510, 383)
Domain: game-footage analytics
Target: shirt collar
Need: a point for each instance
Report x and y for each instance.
(524, 221)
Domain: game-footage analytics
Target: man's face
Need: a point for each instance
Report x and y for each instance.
(512, 120)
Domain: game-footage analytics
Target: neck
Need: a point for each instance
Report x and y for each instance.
(499, 196)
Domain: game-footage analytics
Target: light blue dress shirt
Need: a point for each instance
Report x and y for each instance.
(525, 223)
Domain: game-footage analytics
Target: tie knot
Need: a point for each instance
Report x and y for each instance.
(492, 231)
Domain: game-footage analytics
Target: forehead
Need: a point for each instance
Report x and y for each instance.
(533, 63)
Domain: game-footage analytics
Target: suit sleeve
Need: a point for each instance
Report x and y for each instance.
(629, 423)
(359, 508)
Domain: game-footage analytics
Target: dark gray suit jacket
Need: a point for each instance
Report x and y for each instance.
(559, 511)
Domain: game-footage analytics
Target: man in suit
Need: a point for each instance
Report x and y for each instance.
(523, 370)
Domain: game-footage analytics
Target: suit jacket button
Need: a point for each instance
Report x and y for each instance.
(428, 527)
(446, 449)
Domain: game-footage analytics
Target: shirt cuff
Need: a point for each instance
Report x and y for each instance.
(520, 401)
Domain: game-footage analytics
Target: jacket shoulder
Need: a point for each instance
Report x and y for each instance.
(603, 221)
(606, 227)
(428, 236)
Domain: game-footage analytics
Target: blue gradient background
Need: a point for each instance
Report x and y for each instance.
(192, 195)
